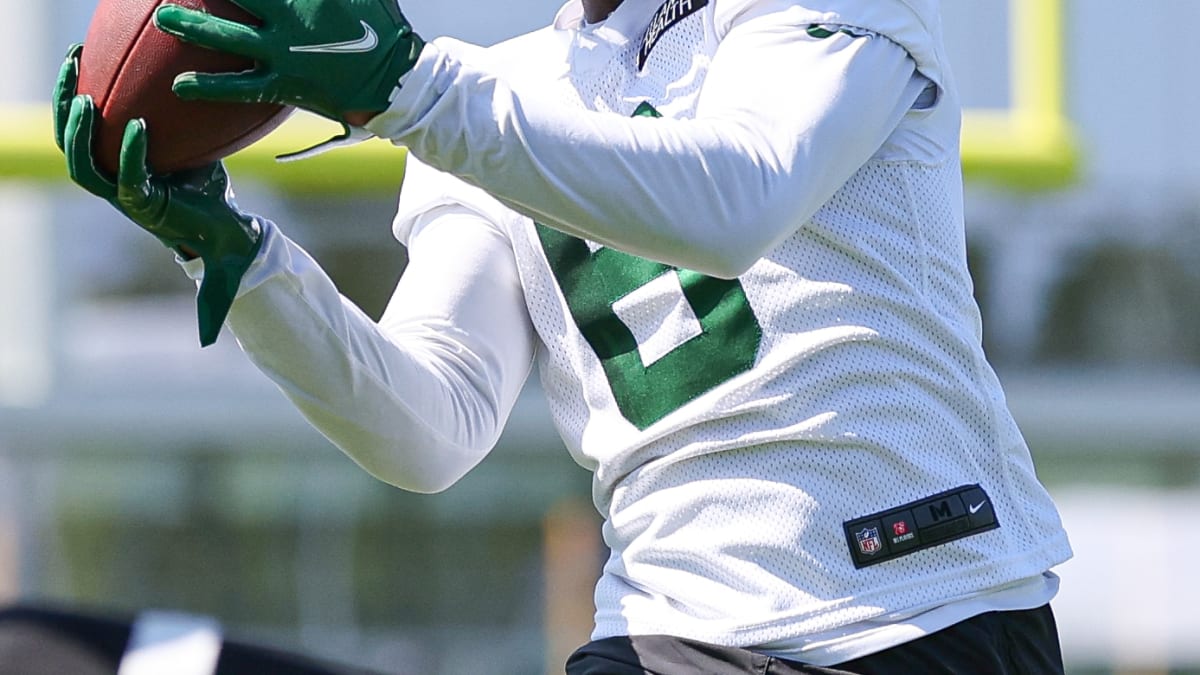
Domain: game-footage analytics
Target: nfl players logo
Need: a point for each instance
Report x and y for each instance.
(869, 542)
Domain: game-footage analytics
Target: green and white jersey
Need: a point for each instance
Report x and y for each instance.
(732, 233)
(735, 425)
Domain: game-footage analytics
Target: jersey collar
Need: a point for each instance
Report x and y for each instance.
(627, 22)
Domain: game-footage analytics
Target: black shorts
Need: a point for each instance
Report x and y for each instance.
(995, 643)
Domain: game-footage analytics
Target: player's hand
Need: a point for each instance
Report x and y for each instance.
(192, 212)
(338, 58)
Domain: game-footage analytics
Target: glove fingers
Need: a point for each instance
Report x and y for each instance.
(64, 91)
(137, 194)
(230, 87)
(132, 172)
(77, 143)
(212, 32)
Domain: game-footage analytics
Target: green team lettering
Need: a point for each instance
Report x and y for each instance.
(592, 282)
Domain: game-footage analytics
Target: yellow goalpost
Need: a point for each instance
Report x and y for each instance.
(1030, 144)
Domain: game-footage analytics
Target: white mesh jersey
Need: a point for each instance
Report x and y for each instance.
(734, 425)
(735, 417)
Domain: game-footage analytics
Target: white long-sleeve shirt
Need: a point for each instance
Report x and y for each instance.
(804, 352)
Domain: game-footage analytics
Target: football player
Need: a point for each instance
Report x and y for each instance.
(730, 234)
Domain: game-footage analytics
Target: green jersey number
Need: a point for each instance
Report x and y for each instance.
(592, 282)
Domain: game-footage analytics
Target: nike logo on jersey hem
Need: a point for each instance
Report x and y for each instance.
(975, 507)
(366, 43)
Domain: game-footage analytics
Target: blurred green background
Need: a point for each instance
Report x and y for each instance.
(137, 471)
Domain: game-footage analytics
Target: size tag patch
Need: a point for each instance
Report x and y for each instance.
(670, 13)
(919, 525)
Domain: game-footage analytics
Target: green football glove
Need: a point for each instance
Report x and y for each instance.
(332, 57)
(191, 212)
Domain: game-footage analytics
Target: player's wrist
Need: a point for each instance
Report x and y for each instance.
(437, 65)
(360, 107)
(212, 231)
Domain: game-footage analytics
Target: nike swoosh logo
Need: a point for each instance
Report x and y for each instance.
(975, 507)
(366, 43)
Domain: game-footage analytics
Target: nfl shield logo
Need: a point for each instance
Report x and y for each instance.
(868, 541)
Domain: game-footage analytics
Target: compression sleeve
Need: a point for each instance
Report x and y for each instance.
(714, 193)
(421, 397)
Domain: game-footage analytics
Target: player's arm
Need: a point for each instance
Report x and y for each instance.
(783, 121)
(417, 399)
(420, 397)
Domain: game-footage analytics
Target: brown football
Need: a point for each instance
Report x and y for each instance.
(127, 67)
